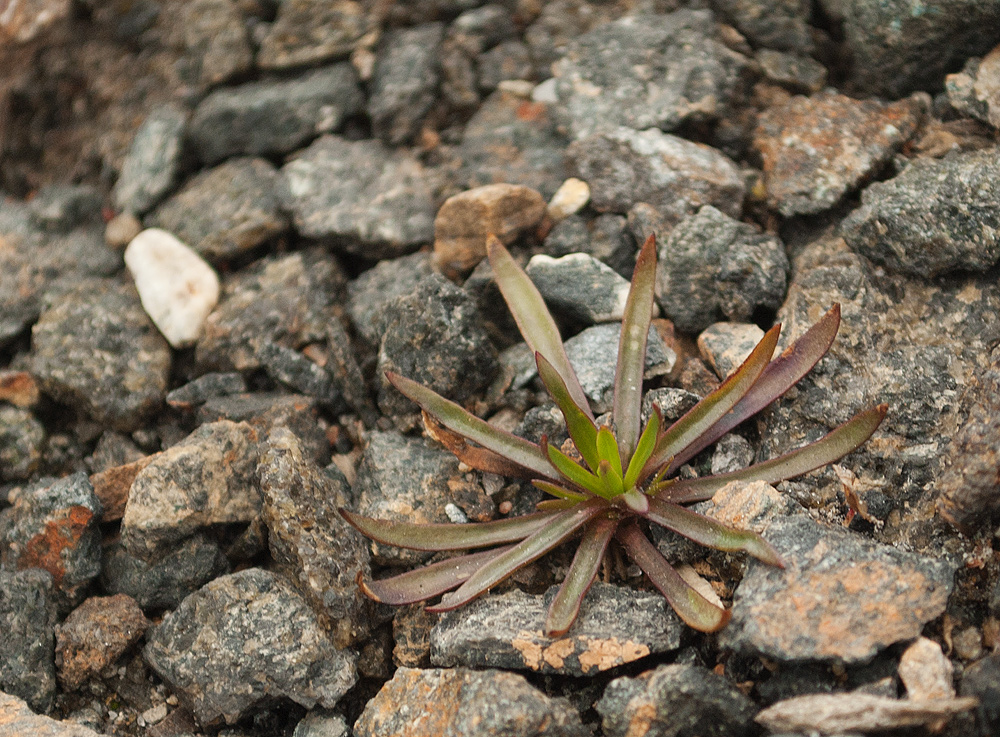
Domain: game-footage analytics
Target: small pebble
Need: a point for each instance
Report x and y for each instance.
(573, 195)
(121, 229)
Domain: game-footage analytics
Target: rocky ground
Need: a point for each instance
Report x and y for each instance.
(171, 466)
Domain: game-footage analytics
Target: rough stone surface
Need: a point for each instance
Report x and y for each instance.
(857, 712)
(981, 680)
(975, 91)
(310, 31)
(726, 345)
(371, 293)
(572, 196)
(404, 81)
(775, 24)
(150, 169)
(616, 625)
(94, 636)
(205, 387)
(28, 618)
(925, 671)
(299, 373)
(200, 649)
(606, 238)
(215, 39)
(675, 701)
(17, 718)
(462, 703)
(321, 723)
(795, 73)
(580, 287)
(22, 443)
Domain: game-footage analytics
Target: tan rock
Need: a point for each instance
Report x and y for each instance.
(18, 720)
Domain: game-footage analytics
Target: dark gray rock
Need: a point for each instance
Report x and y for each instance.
(465, 703)
(435, 336)
(935, 217)
(151, 167)
(96, 350)
(113, 449)
(404, 81)
(58, 208)
(312, 543)
(647, 71)
(508, 60)
(675, 176)
(164, 583)
(27, 649)
(732, 452)
(606, 238)
(310, 31)
(675, 701)
(205, 387)
(561, 22)
(796, 73)
(713, 267)
(982, 681)
(274, 116)
(616, 625)
(485, 26)
(215, 40)
(360, 196)
(200, 649)
(294, 370)
(840, 598)
(370, 294)
(224, 212)
(22, 442)
(672, 402)
(580, 287)
(774, 24)
(55, 526)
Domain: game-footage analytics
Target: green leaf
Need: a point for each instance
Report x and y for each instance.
(632, 349)
(581, 428)
(643, 450)
(559, 491)
(611, 481)
(533, 318)
(574, 472)
(607, 450)
(582, 572)
(425, 582)
(837, 443)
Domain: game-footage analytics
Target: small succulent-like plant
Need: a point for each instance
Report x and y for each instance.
(623, 483)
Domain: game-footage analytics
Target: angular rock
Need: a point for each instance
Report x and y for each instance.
(200, 649)
(310, 31)
(297, 372)
(840, 598)
(17, 718)
(22, 443)
(926, 672)
(975, 91)
(205, 387)
(215, 38)
(675, 701)
(606, 238)
(675, 176)
(748, 506)
(981, 680)
(209, 478)
(937, 216)
(58, 208)
(775, 24)
(857, 712)
(404, 81)
(94, 636)
(18, 388)
(616, 625)
(28, 619)
(510, 60)
(321, 723)
(371, 293)
(817, 149)
(791, 71)
(725, 345)
(580, 287)
(151, 167)
(274, 116)
(112, 487)
(463, 703)
(712, 266)
(360, 196)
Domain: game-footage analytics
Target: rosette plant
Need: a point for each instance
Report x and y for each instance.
(618, 480)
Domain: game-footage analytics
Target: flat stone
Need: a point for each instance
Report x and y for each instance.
(17, 718)
(309, 31)
(616, 625)
(464, 703)
(207, 386)
(200, 649)
(22, 443)
(857, 712)
(726, 345)
(177, 288)
(150, 169)
(28, 618)
(606, 238)
(404, 81)
(748, 506)
(94, 636)
(371, 293)
(580, 287)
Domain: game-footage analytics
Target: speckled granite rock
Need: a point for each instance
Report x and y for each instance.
(371, 293)
(579, 286)
(216, 42)
(725, 345)
(310, 31)
(94, 636)
(975, 91)
(22, 442)
(774, 24)
(404, 81)
(28, 618)
(151, 167)
(17, 718)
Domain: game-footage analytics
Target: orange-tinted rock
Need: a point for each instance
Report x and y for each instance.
(112, 487)
(95, 635)
(18, 388)
(18, 720)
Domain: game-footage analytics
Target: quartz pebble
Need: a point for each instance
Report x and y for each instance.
(571, 196)
(177, 288)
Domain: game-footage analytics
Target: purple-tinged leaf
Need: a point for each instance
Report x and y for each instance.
(632, 349)
(696, 611)
(636, 501)
(560, 527)
(472, 455)
(581, 574)
(533, 318)
(560, 491)
(643, 450)
(555, 505)
(711, 533)
(573, 471)
(425, 582)
(837, 443)
(518, 450)
(448, 536)
(581, 427)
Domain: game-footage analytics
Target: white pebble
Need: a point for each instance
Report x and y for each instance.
(177, 288)
(571, 196)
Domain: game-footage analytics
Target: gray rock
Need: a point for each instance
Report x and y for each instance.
(675, 176)
(935, 217)
(360, 196)
(982, 681)
(975, 91)
(226, 211)
(22, 443)
(27, 649)
(294, 370)
(435, 336)
(726, 345)
(215, 39)
(151, 166)
(840, 598)
(672, 402)
(274, 116)
(371, 293)
(794, 72)
(605, 237)
(321, 723)
(581, 287)
(561, 22)
(713, 267)
(404, 81)
(310, 31)
(461, 702)
(205, 387)
(775, 24)
(675, 701)
(732, 452)
(508, 60)
(312, 543)
(58, 208)
(200, 649)
(647, 71)
(485, 26)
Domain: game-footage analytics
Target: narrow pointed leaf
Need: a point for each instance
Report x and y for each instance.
(582, 572)
(425, 582)
(533, 318)
(472, 455)
(518, 450)
(643, 450)
(574, 472)
(714, 407)
(835, 444)
(555, 505)
(632, 349)
(581, 427)
(710, 533)
(607, 449)
(559, 491)
(696, 611)
(560, 528)
(447, 536)
(611, 481)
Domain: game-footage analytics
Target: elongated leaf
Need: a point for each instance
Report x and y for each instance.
(582, 572)
(710, 533)
(581, 427)
(713, 408)
(607, 449)
(455, 418)
(559, 491)
(632, 349)
(533, 318)
(555, 505)
(425, 582)
(573, 471)
(696, 611)
(643, 450)
(448, 536)
(779, 376)
(837, 443)
(560, 527)
(472, 455)
(611, 481)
